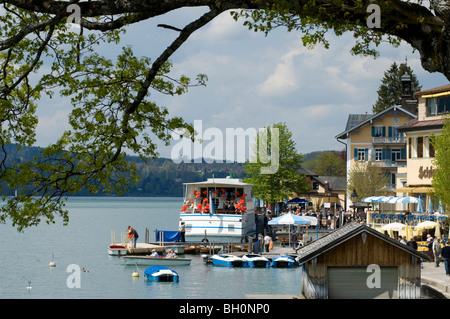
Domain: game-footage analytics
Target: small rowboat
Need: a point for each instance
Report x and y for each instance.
(161, 273)
(154, 261)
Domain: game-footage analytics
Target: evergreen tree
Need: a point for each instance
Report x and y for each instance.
(390, 90)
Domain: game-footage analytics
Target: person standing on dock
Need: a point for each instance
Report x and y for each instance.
(266, 243)
(182, 231)
(133, 236)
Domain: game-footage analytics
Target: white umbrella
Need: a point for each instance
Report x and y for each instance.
(372, 199)
(428, 224)
(394, 226)
(289, 219)
(409, 199)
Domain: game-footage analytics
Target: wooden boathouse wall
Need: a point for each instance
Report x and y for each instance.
(363, 249)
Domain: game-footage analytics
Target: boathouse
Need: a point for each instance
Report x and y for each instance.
(358, 262)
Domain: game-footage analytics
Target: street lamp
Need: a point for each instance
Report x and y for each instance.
(354, 198)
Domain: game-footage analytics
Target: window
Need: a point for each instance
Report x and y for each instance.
(378, 154)
(438, 105)
(396, 154)
(378, 131)
(315, 185)
(393, 132)
(409, 147)
(420, 147)
(361, 154)
(430, 148)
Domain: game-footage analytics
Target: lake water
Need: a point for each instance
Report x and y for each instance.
(26, 256)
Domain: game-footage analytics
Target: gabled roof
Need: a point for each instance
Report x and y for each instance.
(350, 230)
(357, 120)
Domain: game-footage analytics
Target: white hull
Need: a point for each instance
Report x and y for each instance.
(151, 261)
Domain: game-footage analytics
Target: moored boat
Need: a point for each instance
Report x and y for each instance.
(256, 261)
(219, 210)
(117, 250)
(284, 261)
(161, 273)
(228, 260)
(154, 261)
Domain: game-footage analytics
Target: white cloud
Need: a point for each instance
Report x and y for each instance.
(284, 78)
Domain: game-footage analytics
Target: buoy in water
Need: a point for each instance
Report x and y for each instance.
(52, 263)
(135, 274)
(29, 285)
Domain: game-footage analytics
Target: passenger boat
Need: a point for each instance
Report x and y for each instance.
(256, 261)
(218, 210)
(154, 261)
(284, 261)
(161, 273)
(228, 260)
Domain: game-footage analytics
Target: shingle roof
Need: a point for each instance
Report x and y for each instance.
(435, 90)
(415, 124)
(333, 239)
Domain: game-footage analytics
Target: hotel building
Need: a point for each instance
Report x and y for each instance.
(415, 178)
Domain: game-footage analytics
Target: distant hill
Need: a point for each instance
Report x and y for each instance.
(159, 177)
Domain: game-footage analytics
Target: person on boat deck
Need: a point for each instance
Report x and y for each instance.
(171, 254)
(154, 254)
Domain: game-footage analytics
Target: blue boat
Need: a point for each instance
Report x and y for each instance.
(284, 261)
(256, 261)
(228, 260)
(161, 273)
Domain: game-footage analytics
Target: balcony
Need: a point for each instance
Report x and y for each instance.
(391, 163)
(389, 140)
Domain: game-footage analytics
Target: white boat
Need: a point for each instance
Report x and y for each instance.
(228, 260)
(218, 210)
(117, 250)
(161, 273)
(154, 261)
(256, 261)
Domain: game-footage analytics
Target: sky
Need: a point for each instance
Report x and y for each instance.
(255, 80)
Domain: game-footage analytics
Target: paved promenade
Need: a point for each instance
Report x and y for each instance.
(435, 278)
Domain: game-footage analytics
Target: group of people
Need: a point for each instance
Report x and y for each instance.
(440, 253)
(434, 245)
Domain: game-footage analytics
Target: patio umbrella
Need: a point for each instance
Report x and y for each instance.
(372, 199)
(437, 233)
(409, 200)
(430, 205)
(393, 226)
(289, 219)
(428, 224)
